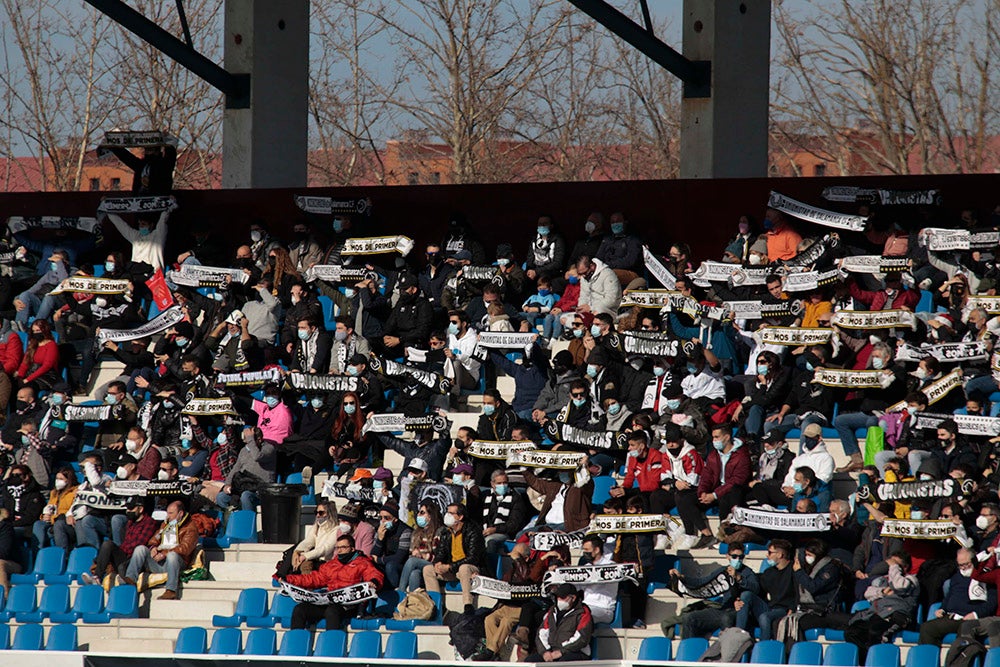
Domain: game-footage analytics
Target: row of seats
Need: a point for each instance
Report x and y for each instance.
(88, 604)
(329, 644)
(31, 637)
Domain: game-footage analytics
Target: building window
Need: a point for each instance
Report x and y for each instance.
(413, 178)
(116, 184)
(95, 184)
(819, 170)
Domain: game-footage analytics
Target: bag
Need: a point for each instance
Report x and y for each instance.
(467, 633)
(732, 645)
(198, 570)
(416, 606)
(161, 292)
(964, 652)
(893, 423)
(874, 443)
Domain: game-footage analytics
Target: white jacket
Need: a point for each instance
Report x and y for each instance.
(601, 598)
(818, 459)
(149, 248)
(602, 291)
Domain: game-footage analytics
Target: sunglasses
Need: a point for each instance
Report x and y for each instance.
(320, 513)
(576, 395)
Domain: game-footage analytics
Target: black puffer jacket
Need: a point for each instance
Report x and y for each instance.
(473, 545)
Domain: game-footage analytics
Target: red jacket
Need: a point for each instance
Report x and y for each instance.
(647, 471)
(333, 574)
(738, 470)
(11, 353)
(879, 300)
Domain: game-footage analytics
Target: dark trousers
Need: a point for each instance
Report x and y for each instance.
(934, 630)
(732, 499)
(769, 492)
(566, 657)
(869, 631)
(110, 554)
(306, 615)
(692, 516)
(634, 598)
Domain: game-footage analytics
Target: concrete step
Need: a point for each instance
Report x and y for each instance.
(240, 571)
(130, 646)
(199, 612)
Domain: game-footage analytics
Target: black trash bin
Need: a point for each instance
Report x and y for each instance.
(280, 512)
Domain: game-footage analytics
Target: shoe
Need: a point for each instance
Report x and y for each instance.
(639, 624)
(168, 595)
(705, 542)
(88, 579)
(854, 465)
(108, 583)
(142, 584)
(128, 581)
(307, 475)
(484, 655)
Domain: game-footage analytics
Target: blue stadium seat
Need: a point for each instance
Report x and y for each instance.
(88, 600)
(4, 637)
(241, 528)
(841, 654)
(79, 562)
(690, 649)
(261, 641)
(358, 624)
(23, 599)
(993, 657)
(280, 613)
(123, 602)
(296, 478)
(616, 622)
(806, 653)
(252, 603)
(296, 643)
(768, 652)
(49, 561)
(364, 645)
(28, 638)
(226, 641)
(602, 488)
(62, 637)
(55, 600)
(926, 303)
(655, 649)
(329, 318)
(193, 639)
(401, 646)
(331, 644)
(883, 655)
(923, 655)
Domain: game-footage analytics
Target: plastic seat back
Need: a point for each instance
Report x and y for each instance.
(261, 641)
(806, 653)
(49, 561)
(655, 648)
(602, 488)
(62, 637)
(401, 646)
(690, 649)
(331, 644)
(191, 640)
(993, 657)
(281, 609)
(226, 641)
(4, 636)
(296, 643)
(89, 599)
(28, 638)
(23, 598)
(123, 602)
(768, 652)
(252, 602)
(79, 561)
(367, 644)
(841, 654)
(242, 527)
(883, 655)
(923, 655)
(55, 600)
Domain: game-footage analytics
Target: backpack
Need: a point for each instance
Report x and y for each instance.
(417, 605)
(964, 652)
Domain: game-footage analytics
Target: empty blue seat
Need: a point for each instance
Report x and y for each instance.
(252, 603)
(88, 600)
(123, 602)
(806, 653)
(296, 643)
(842, 654)
(23, 599)
(655, 648)
(28, 638)
(367, 644)
(62, 637)
(4, 637)
(923, 655)
(49, 561)
(690, 649)
(241, 528)
(79, 562)
(261, 641)
(296, 478)
(331, 644)
(193, 639)
(993, 657)
(768, 652)
(602, 488)
(883, 655)
(55, 600)
(226, 641)
(280, 613)
(401, 646)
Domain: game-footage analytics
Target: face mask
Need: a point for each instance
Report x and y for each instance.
(808, 443)
(350, 408)
(756, 259)
(589, 227)
(453, 328)
(349, 292)
(344, 558)
(595, 330)
(111, 399)
(719, 445)
(353, 371)
(920, 374)
(810, 559)
(762, 369)
(131, 445)
(340, 336)
(982, 522)
(449, 520)
(771, 562)
(810, 367)
(544, 292)
(25, 441)
(916, 515)
(617, 227)
(889, 292)
(562, 605)
(54, 266)
(489, 409)
(316, 402)
(591, 370)
(797, 486)
(387, 525)
(378, 485)
(578, 333)
(692, 369)
(735, 563)
(543, 231)
(344, 528)
(221, 439)
(659, 371)
(966, 571)
(503, 261)
(121, 473)
(614, 408)
(574, 280)
(673, 403)
(501, 489)
(338, 226)
(185, 444)
(421, 521)
(172, 523)
(295, 300)
(60, 484)
(579, 402)
(458, 479)
(57, 399)
(304, 334)
(633, 454)
(564, 477)
(23, 405)
(254, 235)
(877, 363)
(163, 475)
(181, 342)
(109, 267)
(272, 401)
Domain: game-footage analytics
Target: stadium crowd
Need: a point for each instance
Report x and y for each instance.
(651, 393)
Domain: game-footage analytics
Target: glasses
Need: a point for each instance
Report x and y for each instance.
(577, 395)
(349, 403)
(383, 517)
(455, 322)
(321, 513)
(577, 325)
(736, 556)
(422, 513)
(342, 547)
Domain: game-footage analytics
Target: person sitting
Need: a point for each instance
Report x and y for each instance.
(818, 577)
(644, 467)
(423, 543)
(317, 546)
(727, 471)
(704, 622)
(111, 565)
(893, 600)
(505, 512)
(256, 461)
(680, 485)
(806, 486)
(392, 542)
(458, 556)
(169, 550)
(777, 595)
(566, 629)
(52, 528)
(567, 503)
(967, 600)
(636, 548)
(362, 532)
(350, 567)
(774, 463)
(92, 525)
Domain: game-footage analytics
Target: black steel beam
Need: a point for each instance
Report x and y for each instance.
(696, 75)
(236, 87)
(645, 16)
(184, 23)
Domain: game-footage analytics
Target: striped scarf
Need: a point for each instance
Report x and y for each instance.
(504, 504)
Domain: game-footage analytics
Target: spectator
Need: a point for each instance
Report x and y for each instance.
(392, 543)
(600, 291)
(423, 543)
(567, 628)
(704, 622)
(52, 528)
(458, 556)
(774, 463)
(966, 600)
(352, 523)
(547, 252)
(505, 512)
(111, 565)
(777, 595)
(893, 600)
(727, 471)
(169, 550)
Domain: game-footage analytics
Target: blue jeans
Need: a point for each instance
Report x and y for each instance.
(40, 308)
(248, 500)
(984, 384)
(91, 530)
(531, 319)
(60, 533)
(847, 424)
(761, 612)
(411, 577)
(142, 561)
(552, 326)
(118, 524)
(754, 423)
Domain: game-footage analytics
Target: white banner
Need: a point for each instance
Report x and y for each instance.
(378, 245)
(309, 382)
(652, 298)
(161, 322)
(248, 378)
(646, 343)
(496, 450)
(784, 521)
(755, 310)
(148, 204)
(936, 390)
(657, 270)
(749, 276)
(677, 302)
(976, 425)
(196, 275)
(135, 139)
(155, 487)
(839, 377)
(919, 530)
(501, 590)
(990, 304)
(943, 240)
(873, 319)
(548, 540)
(808, 281)
(944, 488)
(330, 206)
(100, 501)
(209, 406)
(396, 422)
(710, 271)
(793, 336)
(817, 215)
(848, 193)
(541, 458)
(19, 223)
(334, 489)
(590, 575)
(348, 596)
(501, 340)
(571, 435)
(629, 523)
(335, 273)
(86, 413)
(943, 352)
(88, 285)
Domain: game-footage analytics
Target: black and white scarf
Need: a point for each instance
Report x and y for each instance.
(504, 506)
(543, 250)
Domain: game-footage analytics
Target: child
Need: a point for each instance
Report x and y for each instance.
(539, 305)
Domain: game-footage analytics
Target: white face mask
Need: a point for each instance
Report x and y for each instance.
(449, 520)
(60, 484)
(966, 570)
(917, 515)
(756, 259)
(121, 473)
(810, 559)
(131, 445)
(563, 605)
(982, 522)
(163, 475)
(345, 528)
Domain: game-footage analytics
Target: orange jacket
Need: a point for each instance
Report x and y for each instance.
(333, 574)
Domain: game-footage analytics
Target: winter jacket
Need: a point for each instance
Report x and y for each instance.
(821, 583)
(957, 600)
(691, 419)
(737, 471)
(499, 425)
(546, 255)
(410, 322)
(577, 505)
(11, 352)
(879, 300)
(530, 378)
(187, 538)
(473, 545)
(333, 574)
(602, 291)
(819, 459)
(555, 393)
(433, 452)
(621, 251)
(820, 495)
(566, 631)
(319, 541)
(508, 514)
(687, 466)
(904, 596)
(256, 459)
(806, 396)
(770, 394)
(647, 471)
(321, 357)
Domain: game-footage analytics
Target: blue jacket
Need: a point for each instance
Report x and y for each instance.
(957, 600)
(530, 378)
(820, 496)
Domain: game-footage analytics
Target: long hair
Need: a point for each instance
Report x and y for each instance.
(282, 266)
(34, 340)
(343, 419)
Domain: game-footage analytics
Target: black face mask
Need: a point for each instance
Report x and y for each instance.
(345, 558)
(301, 236)
(406, 297)
(459, 444)
(23, 405)
(674, 451)
(809, 443)
(272, 260)
(132, 516)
